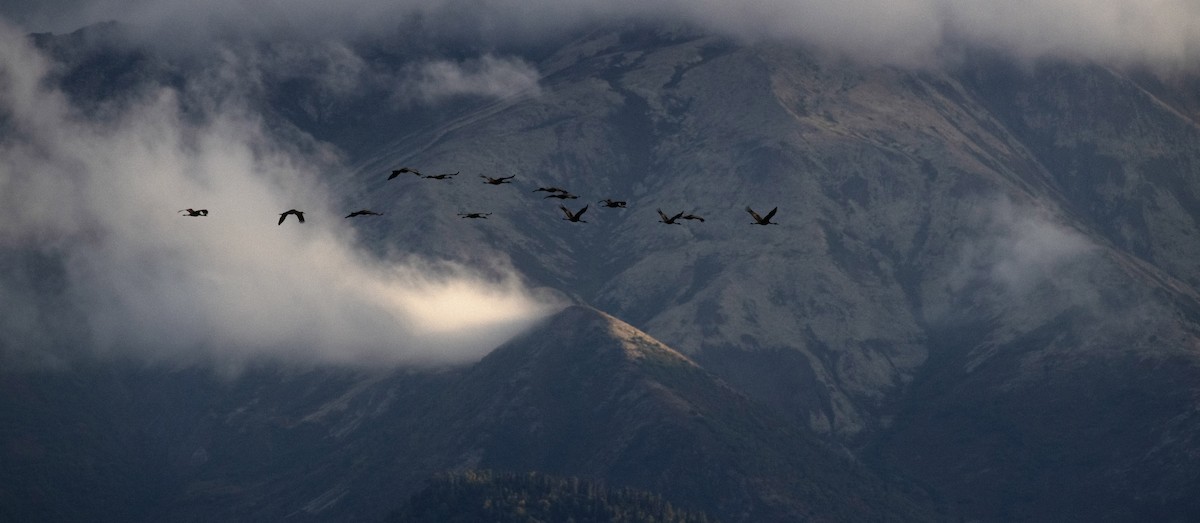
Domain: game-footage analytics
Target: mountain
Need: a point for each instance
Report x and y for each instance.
(993, 257)
(583, 395)
(982, 283)
(590, 396)
(485, 496)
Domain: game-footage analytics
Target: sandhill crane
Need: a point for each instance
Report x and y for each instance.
(562, 196)
(402, 170)
(364, 212)
(573, 217)
(551, 190)
(671, 220)
(609, 202)
(444, 176)
(284, 215)
(692, 217)
(762, 220)
(497, 181)
(474, 215)
(195, 212)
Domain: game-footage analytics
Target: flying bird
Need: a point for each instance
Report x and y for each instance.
(283, 215)
(562, 196)
(497, 181)
(609, 202)
(551, 190)
(670, 220)
(573, 217)
(402, 170)
(195, 212)
(474, 215)
(692, 217)
(762, 220)
(443, 176)
(364, 212)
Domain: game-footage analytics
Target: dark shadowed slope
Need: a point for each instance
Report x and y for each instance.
(472, 496)
(582, 395)
(587, 395)
(983, 276)
(985, 234)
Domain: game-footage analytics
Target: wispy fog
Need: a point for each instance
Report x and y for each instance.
(1030, 261)
(1163, 33)
(489, 76)
(89, 207)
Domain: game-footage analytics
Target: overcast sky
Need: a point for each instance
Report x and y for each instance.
(1164, 32)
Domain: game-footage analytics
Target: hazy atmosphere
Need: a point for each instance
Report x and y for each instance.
(1164, 33)
(92, 201)
(97, 192)
(775, 260)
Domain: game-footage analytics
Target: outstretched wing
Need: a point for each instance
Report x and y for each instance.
(770, 214)
(581, 211)
(663, 216)
(282, 216)
(402, 170)
(566, 211)
(300, 216)
(757, 218)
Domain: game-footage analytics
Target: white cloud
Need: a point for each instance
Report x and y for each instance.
(489, 76)
(1027, 256)
(1165, 33)
(98, 201)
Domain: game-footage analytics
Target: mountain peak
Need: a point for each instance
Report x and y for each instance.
(583, 323)
(585, 394)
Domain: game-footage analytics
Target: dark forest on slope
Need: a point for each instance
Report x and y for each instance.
(511, 497)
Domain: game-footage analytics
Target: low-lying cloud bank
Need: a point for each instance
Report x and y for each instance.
(89, 214)
(1161, 33)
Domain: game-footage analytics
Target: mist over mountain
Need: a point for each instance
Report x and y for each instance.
(979, 300)
(916, 33)
(125, 138)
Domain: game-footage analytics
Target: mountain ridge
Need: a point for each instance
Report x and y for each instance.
(581, 394)
(699, 425)
(981, 281)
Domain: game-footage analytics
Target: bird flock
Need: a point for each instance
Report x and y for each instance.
(553, 192)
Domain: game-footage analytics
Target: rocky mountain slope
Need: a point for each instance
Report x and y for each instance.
(989, 234)
(982, 278)
(583, 395)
